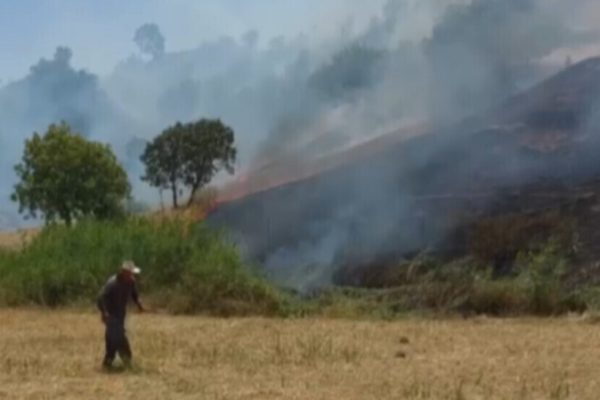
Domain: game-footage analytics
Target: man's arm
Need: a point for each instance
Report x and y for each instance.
(136, 298)
(101, 304)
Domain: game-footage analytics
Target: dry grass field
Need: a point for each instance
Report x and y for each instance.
(56, 355)
(16, 239)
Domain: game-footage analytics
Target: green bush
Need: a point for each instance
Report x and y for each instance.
(496, 297)
(498, 241)
(541, 275)
(186, 267)
(537, 289)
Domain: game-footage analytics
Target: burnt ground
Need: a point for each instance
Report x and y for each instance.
(538, 152)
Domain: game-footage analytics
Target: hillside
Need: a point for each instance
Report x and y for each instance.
(537, 151)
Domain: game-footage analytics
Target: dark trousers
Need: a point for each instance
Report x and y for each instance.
(116, 342)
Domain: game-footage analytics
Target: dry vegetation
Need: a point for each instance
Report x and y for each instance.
(56, 355)
(16, 239)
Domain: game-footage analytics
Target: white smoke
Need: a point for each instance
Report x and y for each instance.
(423, 59)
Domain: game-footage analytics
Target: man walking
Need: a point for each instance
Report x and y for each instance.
(112, 304)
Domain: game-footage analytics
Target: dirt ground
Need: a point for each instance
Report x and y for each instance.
(56, 355)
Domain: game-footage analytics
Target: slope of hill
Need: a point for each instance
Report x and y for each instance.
(285, 171)
(413, 194)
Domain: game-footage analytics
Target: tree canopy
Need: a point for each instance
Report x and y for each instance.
(150, 40)
(352, 69)
(64, 176)
(188, 156)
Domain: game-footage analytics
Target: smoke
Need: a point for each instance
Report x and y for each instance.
(465, 57)
(294, 100)
(52, 91)
(485, 51)
(476, 55)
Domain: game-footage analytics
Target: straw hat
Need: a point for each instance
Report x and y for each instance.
(130, 267)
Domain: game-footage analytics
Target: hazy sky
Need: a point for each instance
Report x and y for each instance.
(100, 31)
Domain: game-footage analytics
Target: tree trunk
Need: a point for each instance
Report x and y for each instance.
(174, 190)
(67, 221)
(192, 195)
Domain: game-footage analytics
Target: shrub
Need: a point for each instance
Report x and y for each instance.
(498, 241)
(186, 267)
(497, 298)
(537, 289)
(541, 275)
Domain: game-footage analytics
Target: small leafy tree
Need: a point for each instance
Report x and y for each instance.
(189, 155)
(164, 161)
(63, 176)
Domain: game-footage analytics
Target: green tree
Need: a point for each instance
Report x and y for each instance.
(63, 176)
(350, 71)
(150, 40)
(189, 155)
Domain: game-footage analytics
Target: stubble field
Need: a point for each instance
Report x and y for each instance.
(16, 239)
(56, 355)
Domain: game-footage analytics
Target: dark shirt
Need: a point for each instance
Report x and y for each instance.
(114, 297)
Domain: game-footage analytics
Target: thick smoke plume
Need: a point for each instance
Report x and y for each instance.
(293, 101)
(477, 55)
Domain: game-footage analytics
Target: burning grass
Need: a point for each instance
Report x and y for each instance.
(50, 355)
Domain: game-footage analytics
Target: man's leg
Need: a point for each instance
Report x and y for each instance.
(111, 346)
(125, 350)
